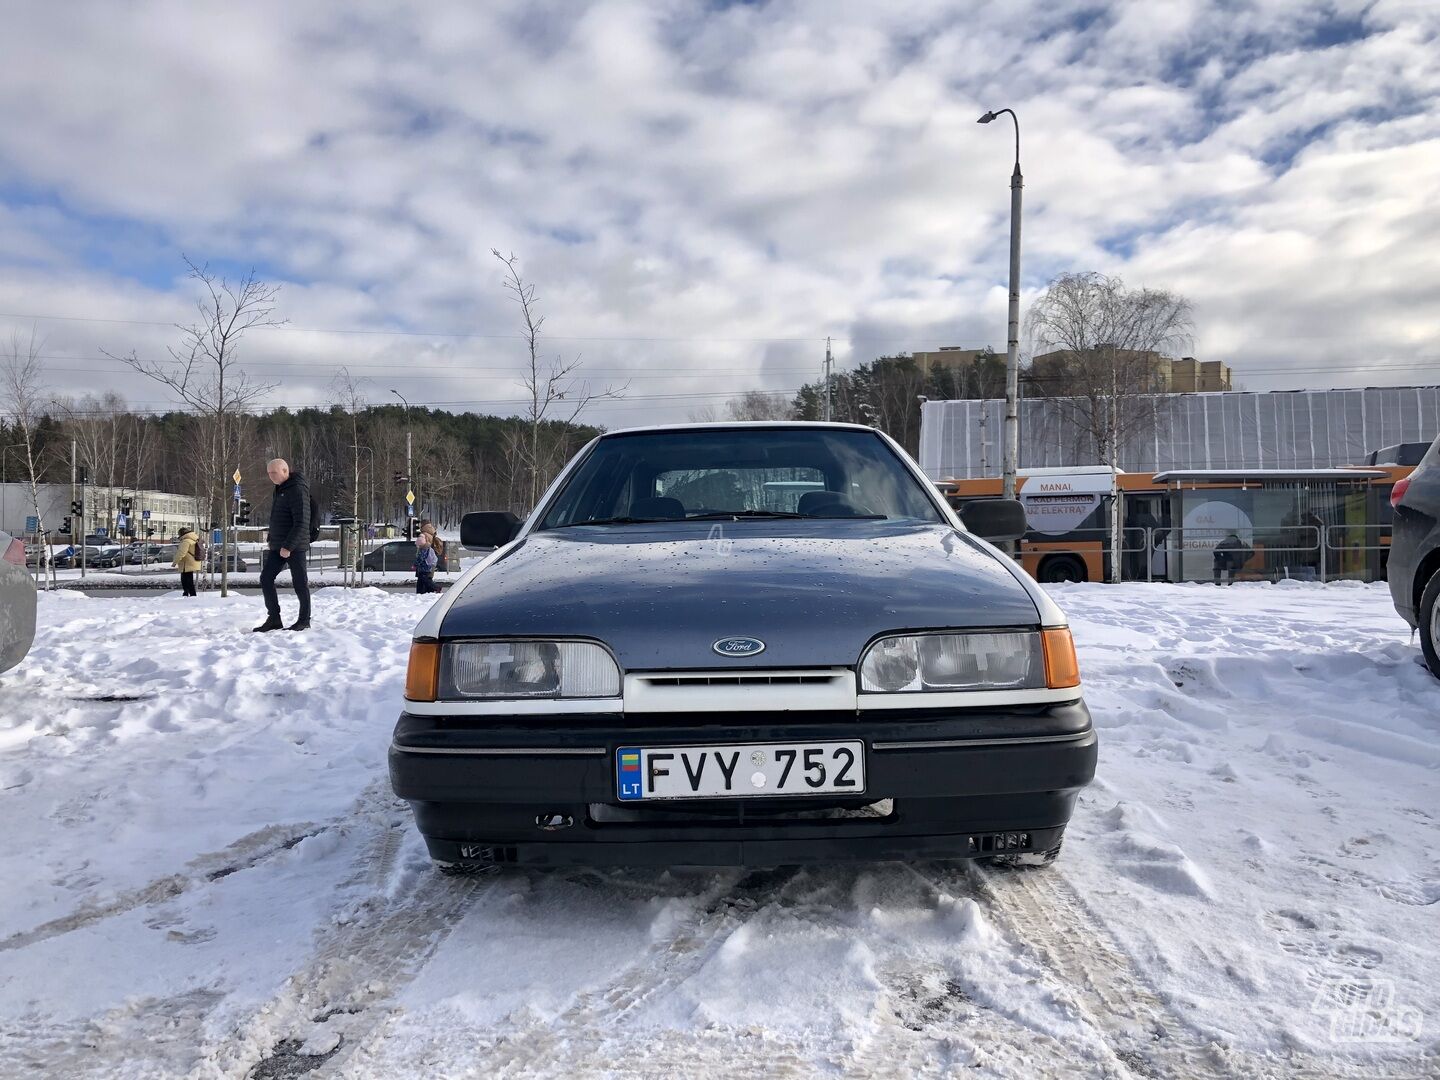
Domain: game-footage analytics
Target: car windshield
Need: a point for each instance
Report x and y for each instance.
(722, 473)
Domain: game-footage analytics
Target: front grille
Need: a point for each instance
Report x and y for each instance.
(739, 680)
(743, 691)
(749, 811)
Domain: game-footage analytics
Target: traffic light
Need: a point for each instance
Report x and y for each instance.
(65, 526)
(125, 506)
(242, 512)
(77, 508)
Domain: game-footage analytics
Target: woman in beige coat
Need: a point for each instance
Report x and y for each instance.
(186, 561)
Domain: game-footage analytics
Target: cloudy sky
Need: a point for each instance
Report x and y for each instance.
(703, 192)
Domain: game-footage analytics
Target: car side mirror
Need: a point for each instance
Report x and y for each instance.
(488, 529)
(994, 519)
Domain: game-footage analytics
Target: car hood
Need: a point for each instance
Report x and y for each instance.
(814, 592)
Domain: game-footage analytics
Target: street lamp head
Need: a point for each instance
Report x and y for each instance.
(986, 118)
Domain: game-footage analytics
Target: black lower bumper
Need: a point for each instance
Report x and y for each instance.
(940, 784)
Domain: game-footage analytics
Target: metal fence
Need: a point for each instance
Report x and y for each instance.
(1223, 555)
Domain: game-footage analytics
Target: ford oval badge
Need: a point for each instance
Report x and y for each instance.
(739, 646)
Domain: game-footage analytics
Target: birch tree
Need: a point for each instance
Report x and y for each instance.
(1096, 346)
(22, 383)
(555, 391)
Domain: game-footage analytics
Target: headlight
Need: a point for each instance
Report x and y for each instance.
(527, 669)
(1012, 660)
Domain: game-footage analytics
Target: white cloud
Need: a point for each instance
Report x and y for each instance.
(704, 193)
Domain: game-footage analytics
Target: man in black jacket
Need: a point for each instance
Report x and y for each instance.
(289, 541)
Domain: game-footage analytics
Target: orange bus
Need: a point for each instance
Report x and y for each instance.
(1312, 524)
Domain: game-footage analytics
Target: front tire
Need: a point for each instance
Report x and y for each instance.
(1064, 568)
(1429, 619)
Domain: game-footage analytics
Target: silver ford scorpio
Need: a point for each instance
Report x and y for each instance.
(742, 644)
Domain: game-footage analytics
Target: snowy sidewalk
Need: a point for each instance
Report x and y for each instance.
(205, 875)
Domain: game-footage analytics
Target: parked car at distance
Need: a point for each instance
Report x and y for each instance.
(214, 561)
(675, 662)
(17, 603)
(1414, 566)
(96, 558)
(105, 558)
(140, 554)
(391, 555)
(33, 553)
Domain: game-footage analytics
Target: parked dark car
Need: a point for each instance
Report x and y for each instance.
(96, 558)
(391, 555)
(105, 558)
(681, 658)
(1414, 566)
(17, 603)
(214, 561)
(400, 555)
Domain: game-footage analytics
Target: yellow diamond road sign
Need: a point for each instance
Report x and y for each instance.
(410, 497)
(237, 476)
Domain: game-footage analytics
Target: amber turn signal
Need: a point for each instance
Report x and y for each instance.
(422, 678)
(1061, 668)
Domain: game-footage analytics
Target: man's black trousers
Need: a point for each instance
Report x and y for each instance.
(273, 565)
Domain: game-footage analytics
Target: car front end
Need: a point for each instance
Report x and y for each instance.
(745, 685)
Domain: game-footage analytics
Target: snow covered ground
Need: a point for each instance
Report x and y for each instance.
(205, 875)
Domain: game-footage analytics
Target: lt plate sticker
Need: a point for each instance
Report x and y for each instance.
(628, 760)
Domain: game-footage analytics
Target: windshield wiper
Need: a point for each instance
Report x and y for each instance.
(731, 515)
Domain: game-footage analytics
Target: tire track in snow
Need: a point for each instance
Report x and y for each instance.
(1041, 910)
(573, 1043)
(939, 1028)
(371, 951)
(244, 854)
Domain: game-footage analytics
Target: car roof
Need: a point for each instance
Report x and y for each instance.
(741, 425)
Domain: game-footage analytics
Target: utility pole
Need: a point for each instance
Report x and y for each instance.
(828, 361)
(1012, 352)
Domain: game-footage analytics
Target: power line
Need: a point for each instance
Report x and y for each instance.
(255, 408)
(470, 335)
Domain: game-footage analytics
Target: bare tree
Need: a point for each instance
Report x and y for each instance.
(351, 395)
(705, 414)
(758, 405)
(204, 373)
(1097, 347)
(22, 382)
(547, 385)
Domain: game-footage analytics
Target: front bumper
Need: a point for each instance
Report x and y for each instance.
(949, 784)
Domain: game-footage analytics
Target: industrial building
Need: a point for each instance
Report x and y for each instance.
(1299, 429)
(162, 511)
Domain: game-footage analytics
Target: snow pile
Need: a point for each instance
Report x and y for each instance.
(206, 873)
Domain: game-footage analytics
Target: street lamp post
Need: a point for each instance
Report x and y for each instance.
(1012, 350)
(409, 475)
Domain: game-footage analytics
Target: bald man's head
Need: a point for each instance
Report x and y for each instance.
(278, 469)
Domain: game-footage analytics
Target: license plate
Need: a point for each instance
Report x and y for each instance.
(739, 770)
